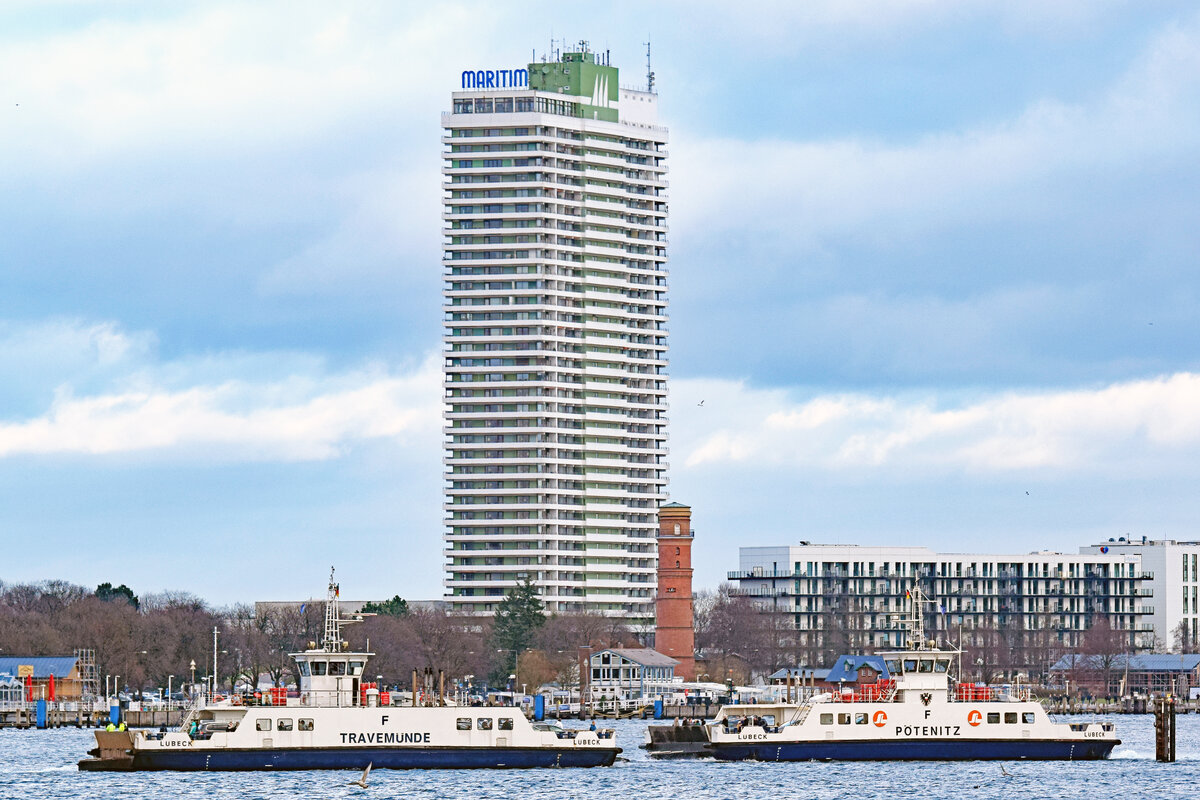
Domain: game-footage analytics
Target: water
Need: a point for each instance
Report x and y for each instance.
(41, 764)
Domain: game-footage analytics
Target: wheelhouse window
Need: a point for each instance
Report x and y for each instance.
(926, 665)
(262, 724)
(337, 667)
(942, 665)
(910, 665)
(356, 667)
(893, 666)
(283, 724)
(306, 724)
(303, 669)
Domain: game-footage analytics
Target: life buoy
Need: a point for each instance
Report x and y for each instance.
(218, 698)
(236, 699)
(880, 719)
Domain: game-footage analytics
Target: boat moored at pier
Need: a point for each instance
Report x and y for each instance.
(918, 712)
(339, 721)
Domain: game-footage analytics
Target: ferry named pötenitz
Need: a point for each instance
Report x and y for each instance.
(918, 713)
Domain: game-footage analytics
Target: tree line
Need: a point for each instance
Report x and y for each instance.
(146, 639)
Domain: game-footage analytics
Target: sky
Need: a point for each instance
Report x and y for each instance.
(933, 276)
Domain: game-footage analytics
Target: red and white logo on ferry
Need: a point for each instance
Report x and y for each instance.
(880, 719)
(974, 718)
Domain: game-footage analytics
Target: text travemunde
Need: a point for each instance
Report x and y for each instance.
(385, 738)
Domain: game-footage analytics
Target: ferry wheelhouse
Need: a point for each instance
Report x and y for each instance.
(920, 712)
(339, 721)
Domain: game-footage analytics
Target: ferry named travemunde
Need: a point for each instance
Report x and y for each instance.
(918, 712)
(341, 722)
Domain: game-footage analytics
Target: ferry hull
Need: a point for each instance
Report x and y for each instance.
(920, 750)
(233, 760)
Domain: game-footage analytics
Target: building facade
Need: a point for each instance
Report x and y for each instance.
(631, 674)
(674, 626)
(1175, 567)
(1011, 611)
(555, 315)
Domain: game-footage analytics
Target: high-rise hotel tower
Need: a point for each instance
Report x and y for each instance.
(555, 338)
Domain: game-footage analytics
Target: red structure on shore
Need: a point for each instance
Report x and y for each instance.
(674, 634)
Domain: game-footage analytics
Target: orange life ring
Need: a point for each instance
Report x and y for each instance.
(218, 698)
(236, 700)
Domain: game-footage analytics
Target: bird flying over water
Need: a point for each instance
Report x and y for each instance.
(362, 782)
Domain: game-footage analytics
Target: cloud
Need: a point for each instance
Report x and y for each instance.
(231, 407)
(805, 193)
(1147, 424)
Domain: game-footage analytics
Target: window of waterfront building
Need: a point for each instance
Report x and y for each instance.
(1010, 718)
(283, 724)
(843, 719)
(319, 667)
(505, 724)
(263, 724)
(1028, 718)
(463, 724)
(827, 719)
(484, 723)
(306, 724)
(993, 718)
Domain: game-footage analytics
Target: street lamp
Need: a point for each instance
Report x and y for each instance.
(169, 679)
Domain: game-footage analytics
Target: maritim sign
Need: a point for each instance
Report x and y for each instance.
(495, 78)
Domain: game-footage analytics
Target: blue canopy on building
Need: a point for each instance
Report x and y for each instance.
(43, 666)
(845, 669)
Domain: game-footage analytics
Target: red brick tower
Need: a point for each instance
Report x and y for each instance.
(674, 634)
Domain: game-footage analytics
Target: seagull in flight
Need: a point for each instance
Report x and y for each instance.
(362, 782)
(700, 403)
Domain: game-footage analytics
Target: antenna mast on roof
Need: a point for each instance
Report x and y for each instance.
(649, 72)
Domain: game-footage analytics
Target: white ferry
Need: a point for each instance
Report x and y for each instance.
(919, 713)
(341, 722)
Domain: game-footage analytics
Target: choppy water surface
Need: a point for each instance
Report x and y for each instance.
(41, 764)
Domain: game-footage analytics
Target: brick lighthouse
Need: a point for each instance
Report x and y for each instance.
(674, 634)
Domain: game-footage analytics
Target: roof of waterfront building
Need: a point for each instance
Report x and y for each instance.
(43, 666)
(845, 669)
(643, 655)
(1148, 662)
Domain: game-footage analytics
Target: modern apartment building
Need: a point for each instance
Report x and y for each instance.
(1023, 608)
(554, 257)
(1176, 585)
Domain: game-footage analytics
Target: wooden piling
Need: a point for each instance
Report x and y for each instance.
(1164, 730)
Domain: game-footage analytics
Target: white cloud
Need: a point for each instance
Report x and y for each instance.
(1147, 424)
(236, 407)
(804, 192)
